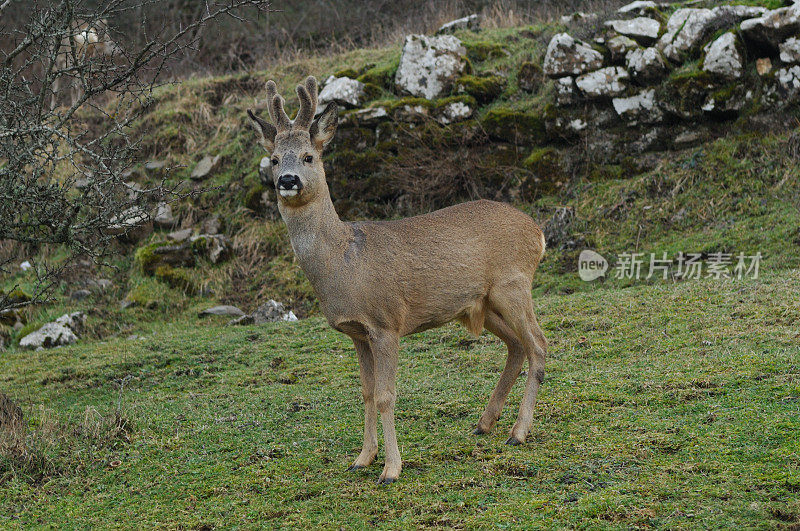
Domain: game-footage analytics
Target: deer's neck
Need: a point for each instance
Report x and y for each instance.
(318, 238)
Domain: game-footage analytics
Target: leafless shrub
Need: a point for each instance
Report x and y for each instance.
(63, 168)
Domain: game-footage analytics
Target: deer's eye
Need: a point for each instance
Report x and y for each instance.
(308, 159)
(275, 161)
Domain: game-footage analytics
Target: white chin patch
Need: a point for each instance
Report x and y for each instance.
(288, 193)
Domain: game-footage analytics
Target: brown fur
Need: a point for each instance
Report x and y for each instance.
(378, 281)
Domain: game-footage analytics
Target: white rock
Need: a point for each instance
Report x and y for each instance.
(641, 107)
(723, 58)
(163, 217)
(204, 168)
(217, 247)
(773, 26)
(129, 221)
(224, 310)
(75, 321)
(578, 124)
(272, 311)
(468, 22)
(455, 112)
(579, 16)
(370, 116)
(620, 45)
(343, 90)
(790, 50)
(48, 336)
(430, 65)
(789, 79)
(645, 64)
(25, 265)
(687, 28)
(566, 56)
(639, 28)
(640, 6)
(565, 90)
(609, 81)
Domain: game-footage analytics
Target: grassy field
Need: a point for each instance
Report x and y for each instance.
(665, 405)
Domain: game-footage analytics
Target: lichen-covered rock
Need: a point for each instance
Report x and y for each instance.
(529, 77)
(565, 90)
(180, 235)
(343, 90)
(688, 27)
(215, 247)
(204, 168)
(774, 26)
(619, 46)
(430, 65)
(163, 218)
(565, 56)
(468, 22)
(75, 321)
(606, 82)
(639, 6)
(790, 50)
(639, 108)
(683, 94)
(371, 116)
(48, 336)
(642, 29)
(723, 58)
(728, 100)
(62, 331)
(788, 79)
(131, 225)
(272, 311)
(645, 64)
(223, 310)
(579, 16)
(454, 112)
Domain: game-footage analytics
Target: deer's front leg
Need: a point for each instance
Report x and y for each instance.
(366, 367)
(384, 346)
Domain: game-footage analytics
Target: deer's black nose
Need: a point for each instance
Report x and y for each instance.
(289, 182)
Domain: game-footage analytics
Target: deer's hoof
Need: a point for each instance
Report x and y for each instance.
(513, 441)
(355, 467)
(479, 431)
(386, 481)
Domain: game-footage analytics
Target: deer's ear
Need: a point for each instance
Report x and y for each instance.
(324, 127)
(266, 129)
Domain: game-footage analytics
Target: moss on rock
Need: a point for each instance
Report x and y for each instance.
(176, 278)
(346, 72)
(381, 75)
(483, 50)
(514, 126)
(253, 197)
(482, 88)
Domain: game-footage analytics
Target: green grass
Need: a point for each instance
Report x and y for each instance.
(665, 405)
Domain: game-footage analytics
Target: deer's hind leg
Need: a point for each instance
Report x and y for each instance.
(516, 356)
(513, 302)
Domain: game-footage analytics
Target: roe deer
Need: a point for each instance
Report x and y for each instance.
(379, 281)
